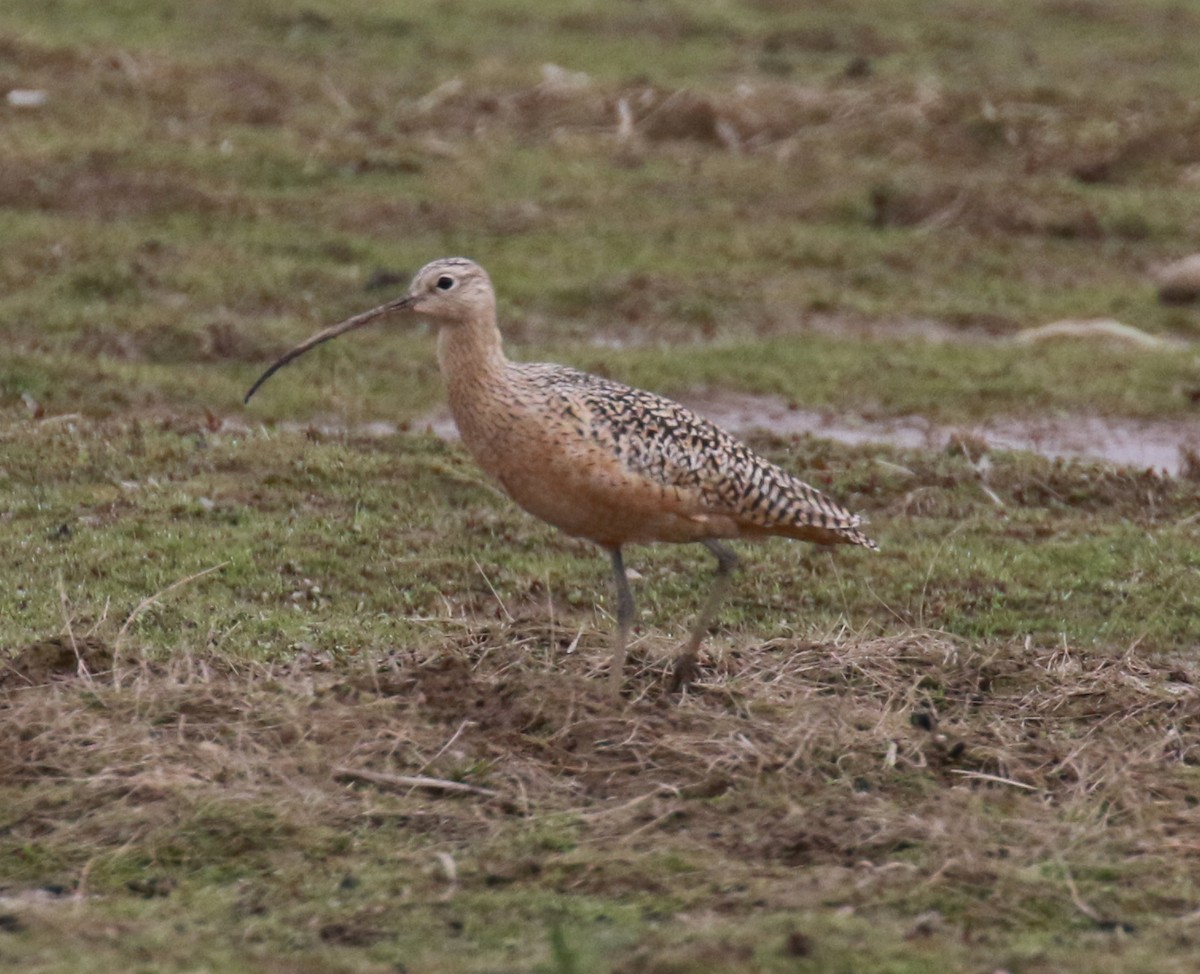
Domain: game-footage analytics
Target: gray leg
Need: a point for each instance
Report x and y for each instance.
(625, 612)
(685, 663)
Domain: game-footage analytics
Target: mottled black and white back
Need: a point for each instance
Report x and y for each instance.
(670, 444)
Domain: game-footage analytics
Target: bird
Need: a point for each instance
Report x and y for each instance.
(598, 459)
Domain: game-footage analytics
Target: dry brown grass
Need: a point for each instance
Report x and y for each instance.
(875, 764)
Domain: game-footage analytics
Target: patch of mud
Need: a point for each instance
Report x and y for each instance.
(57, 658)
(1145, 444)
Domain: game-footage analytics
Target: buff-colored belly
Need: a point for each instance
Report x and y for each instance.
(580, 488)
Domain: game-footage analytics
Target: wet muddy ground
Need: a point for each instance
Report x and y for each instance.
(1161, 445)
(1157, 444)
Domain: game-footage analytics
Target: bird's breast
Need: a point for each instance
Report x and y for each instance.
(544, 456)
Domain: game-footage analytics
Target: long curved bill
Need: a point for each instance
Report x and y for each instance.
(365, 318)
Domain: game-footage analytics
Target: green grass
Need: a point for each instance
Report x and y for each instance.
(404, 526)
(972, 751)
(943, 186)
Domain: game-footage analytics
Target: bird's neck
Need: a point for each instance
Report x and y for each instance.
(470, 352)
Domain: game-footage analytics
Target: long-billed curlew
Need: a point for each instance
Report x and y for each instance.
(598, 459)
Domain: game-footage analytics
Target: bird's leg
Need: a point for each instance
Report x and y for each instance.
(625, 611)
(685, 663)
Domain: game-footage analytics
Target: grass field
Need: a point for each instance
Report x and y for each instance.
(285, 691)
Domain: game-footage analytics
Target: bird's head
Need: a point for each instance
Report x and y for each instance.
(451, 289)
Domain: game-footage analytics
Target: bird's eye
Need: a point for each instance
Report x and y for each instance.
(445, 283)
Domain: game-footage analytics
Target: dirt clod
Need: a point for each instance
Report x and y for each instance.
(57, 658)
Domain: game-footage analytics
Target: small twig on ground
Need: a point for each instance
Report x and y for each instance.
(446, 861)
(983, 776)
(1088, 911)
(453, 737)
(626, 806)
(492, 588)
(81, 887)
(413, 781)
(151, 599)
(81, 669)
(920, 613)
(649, 826)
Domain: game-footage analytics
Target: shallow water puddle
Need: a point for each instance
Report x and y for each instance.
(1156, 444)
